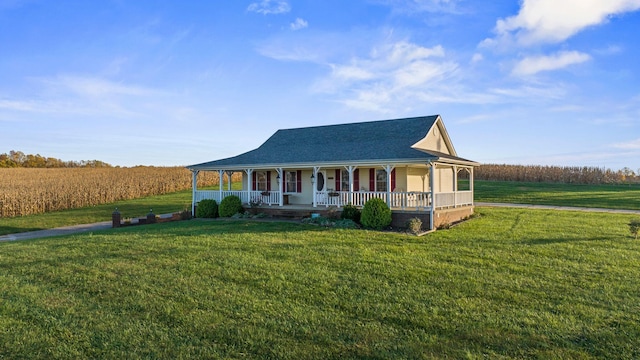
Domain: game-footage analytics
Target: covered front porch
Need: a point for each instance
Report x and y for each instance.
(417, 187)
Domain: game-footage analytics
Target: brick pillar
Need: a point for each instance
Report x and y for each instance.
(115, 219)
(151, 218)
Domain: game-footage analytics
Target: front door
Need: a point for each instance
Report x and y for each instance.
(321, 181)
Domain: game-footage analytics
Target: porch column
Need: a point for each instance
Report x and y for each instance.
(194, 189)
(221, 177)
(471, 184)
(432, 174)
(229, 175)
(388, 169)
(249, 178)
(313, 185)
(455, 185)
(350, 168)
(280, 175)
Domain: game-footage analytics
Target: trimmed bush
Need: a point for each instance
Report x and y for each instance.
(351, 212)
(230, 205)
(414, 225)
(207, 209)
(375, 214)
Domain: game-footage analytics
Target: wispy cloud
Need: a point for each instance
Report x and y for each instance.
(535, 64)
(552, 21)
(299, 24)
(267, 7)
(630, 145)
(418, 6)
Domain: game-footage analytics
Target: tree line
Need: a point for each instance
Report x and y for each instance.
(18, 159)
(558, 174)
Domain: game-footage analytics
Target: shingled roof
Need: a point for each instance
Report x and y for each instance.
(371, 142)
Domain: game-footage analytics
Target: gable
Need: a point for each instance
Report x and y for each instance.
(437, 139)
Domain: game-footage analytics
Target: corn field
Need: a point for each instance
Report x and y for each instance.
(27, 191)
(557, 174)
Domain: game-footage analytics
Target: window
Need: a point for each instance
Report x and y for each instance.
(261, 181)
(381, 180)
(291, 181)
(344, 185)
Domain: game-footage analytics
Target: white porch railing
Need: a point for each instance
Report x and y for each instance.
(453, 199)
(267, 198)
(401, 200)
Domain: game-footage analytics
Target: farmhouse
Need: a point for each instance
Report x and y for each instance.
(410, 163)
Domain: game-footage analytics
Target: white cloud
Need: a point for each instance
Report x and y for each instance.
(299, 24)
(266, 7)
(553, 21)
(477, 57)
(418, 6)
(630, 145)
(535, 64)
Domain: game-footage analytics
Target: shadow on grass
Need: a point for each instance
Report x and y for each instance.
(562, 240)
(220, 227)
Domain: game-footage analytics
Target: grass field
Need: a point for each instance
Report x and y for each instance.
(599, 196)
(594, 196)
(511, 283)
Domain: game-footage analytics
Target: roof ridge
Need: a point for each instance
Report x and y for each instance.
(361, 122)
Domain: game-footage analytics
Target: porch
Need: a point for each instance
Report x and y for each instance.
(411, 200)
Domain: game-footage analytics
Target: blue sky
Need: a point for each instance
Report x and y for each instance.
(549, 82)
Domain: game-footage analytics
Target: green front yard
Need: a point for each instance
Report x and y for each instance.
(512, 283)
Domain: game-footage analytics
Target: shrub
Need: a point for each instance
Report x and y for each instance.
(345, 224)
(230, 206)
(351, 212)
(634, 227)
(207, 209)
(376, 214)
(414, 225)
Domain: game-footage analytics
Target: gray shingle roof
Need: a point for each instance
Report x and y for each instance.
(354, 142)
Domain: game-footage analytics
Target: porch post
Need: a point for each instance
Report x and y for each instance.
(432, 173)
(471, 184)
(455, 185)
(388, 169)
(350, 168)
(194, 189)
(249, 178)
(313, 185)
(229, 175)
(220, 176)
(281, 197)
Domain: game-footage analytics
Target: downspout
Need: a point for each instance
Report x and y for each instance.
(194, 186)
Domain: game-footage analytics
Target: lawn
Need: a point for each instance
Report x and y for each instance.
(593, 196)
(160, 204)
(600, 196)
(511, 283)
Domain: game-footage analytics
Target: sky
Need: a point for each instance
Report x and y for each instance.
(163, 82)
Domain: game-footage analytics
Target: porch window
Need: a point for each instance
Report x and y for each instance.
(381, 180)
(293, 181)
(344, 185)
(261, 181)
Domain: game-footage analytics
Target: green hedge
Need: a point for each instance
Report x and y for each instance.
(207, 209)
(230, 206)
(376, 214)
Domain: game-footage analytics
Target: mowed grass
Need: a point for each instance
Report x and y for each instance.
(160, 204)
(511, 283)
(593, 196)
